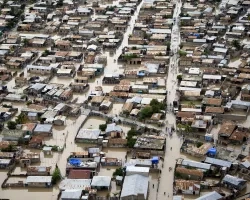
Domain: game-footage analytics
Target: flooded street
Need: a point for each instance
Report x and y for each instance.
(64, 136)
(173, 143)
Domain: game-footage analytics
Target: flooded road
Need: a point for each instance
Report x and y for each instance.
(173, 143)
(66, 135)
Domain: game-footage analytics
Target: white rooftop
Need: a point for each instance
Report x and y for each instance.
(38, 179)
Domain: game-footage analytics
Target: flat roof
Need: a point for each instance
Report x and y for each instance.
(71, 194)
(137, 169)
(5, 161)
(39, 179)
(219, 162)
(101, 181)
(196, 164)
(210, 196)
(88, 134)
(134, 185)
(76, 184)
(150, 142)
(43, 128)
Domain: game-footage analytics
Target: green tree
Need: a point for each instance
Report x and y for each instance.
(131, 142)
(129, 56)
(25, 42)
(118, 172)
(146, 112)
(130, 138)
(60, 3)
(182, 53)
(20, 141)
(102, 127)
(157, 106)
(56, 176)
(10, 148)
(168, 44)
(191, 104)
(236, 44)
(187, 128)
(11, 125)
(10, 24)
(22, 6)
(45, 53)
(22, 118)
(179, 77)
(199, 144)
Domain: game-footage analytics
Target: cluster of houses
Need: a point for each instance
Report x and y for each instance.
(192, 176)
(213, 89)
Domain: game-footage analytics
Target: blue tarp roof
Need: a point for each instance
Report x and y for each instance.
(74, 161)
(155, 158)
(212, 151)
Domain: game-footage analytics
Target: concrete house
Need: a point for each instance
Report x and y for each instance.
(39, 181)
(187, 187)
(132, 170)
(71, 194)
(101, 182)
(84, 11)
(12, 135)
(5, 163)
(191, 174)
(38, 171)
(43, 129)
(88, 136)
(211, 196)
(113, 130)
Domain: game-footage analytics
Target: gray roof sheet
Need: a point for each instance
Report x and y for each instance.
(135, 184)
(71, 194)
(210, 196)
(39, 179)
(113, 127)
(43, 128)
(101, 181)
(219, 162)
(196, 164)
(233, 180)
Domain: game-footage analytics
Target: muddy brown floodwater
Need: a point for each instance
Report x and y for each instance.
(67, 132)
